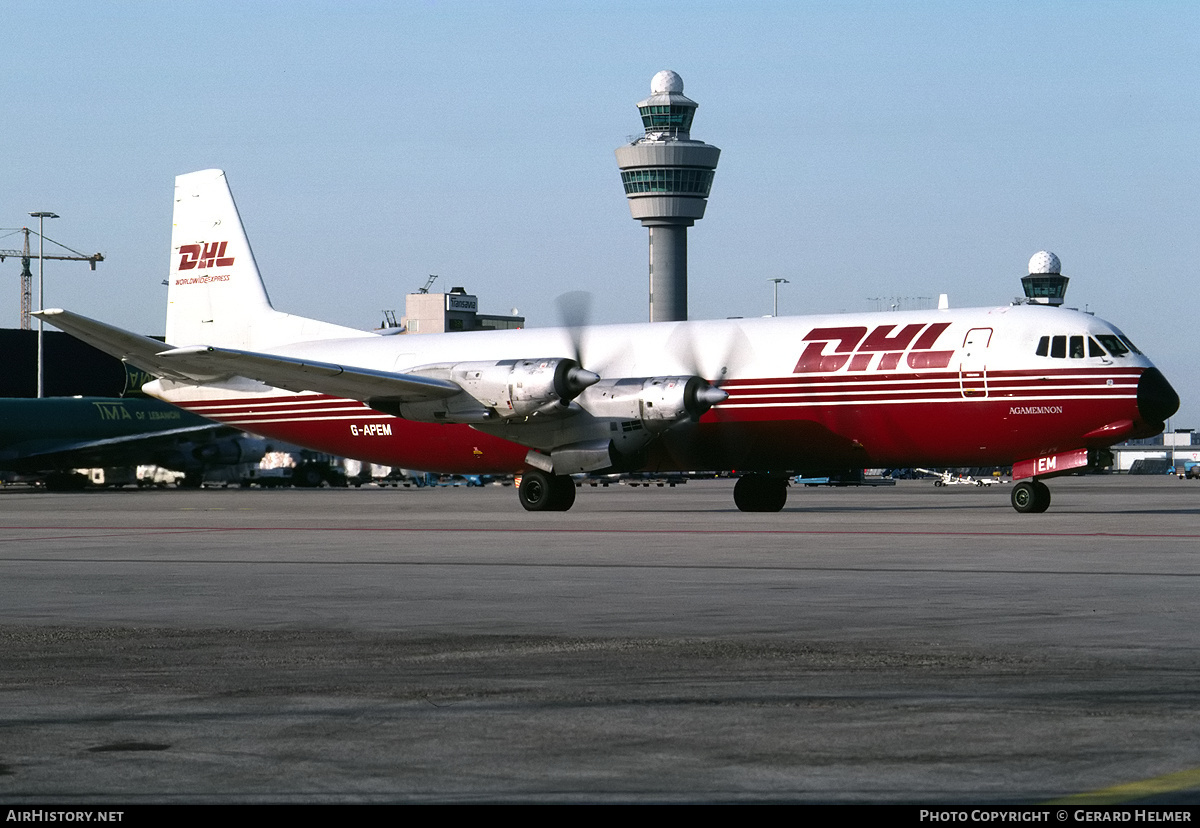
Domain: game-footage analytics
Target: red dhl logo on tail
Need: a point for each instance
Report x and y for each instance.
(855, 346)
(199, 256)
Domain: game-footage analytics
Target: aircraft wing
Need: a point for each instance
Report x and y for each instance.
(200, 364)
(309, 375)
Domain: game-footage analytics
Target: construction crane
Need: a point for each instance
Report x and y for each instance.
(27, 276)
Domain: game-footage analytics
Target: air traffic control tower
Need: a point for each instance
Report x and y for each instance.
(1045, 284)
(667, 177)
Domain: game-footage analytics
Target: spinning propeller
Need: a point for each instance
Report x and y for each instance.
(574, 309)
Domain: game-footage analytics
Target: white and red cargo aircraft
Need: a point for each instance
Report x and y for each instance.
(1044, 389)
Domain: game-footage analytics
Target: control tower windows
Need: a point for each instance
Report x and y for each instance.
(1045, 286)
(680, 180)
(672, 116)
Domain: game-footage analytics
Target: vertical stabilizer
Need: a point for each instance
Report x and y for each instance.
(215, 294)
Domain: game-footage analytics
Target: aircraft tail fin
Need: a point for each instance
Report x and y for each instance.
(215, 294)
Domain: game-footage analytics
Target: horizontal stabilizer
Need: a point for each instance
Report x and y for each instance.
(201, 364)
(135, 349)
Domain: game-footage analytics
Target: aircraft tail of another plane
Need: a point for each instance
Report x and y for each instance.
(215, 294)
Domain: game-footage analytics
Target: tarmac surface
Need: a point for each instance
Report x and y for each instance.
(892, 645)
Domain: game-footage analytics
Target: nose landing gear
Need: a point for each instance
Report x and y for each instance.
(1031, 496)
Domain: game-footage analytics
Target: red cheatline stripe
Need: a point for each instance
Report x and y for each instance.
(922, 376)
(896, 388)
(950, 397)
(934, 382)
(273, 406)
(1041, 386)
(281, 399)
(738, 400)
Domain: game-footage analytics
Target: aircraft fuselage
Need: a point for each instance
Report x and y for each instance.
(951, 388)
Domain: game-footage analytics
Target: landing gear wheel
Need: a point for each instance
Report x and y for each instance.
(544, 492)
(564, 493)
(308, 477)
(1042, 497)
(760, 493)
(1031, 497)
(1023, 496)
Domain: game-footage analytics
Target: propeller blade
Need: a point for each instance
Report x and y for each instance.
(726, 353)
(574, 311)
(717, 363)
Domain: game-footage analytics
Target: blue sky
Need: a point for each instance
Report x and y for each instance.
(868, 150)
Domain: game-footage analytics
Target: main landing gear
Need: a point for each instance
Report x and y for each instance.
(544, 492)
(1031, 496)
(760, 493)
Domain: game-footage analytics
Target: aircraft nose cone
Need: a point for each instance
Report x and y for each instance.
(1156, 399)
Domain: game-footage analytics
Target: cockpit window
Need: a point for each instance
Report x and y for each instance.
(1078, 346)
(1132, 347)
(1114, 345)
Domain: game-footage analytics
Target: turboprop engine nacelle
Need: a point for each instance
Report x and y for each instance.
(658, 402)
(502, 390)
(619, 418)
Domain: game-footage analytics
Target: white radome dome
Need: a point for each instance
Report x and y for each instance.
(1045, 262)
(666, 81)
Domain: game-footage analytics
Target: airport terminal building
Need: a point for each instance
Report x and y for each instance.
(1178, 450)
(454, 311)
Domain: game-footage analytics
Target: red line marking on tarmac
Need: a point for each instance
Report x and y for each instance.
(101, 533)
(114, 532)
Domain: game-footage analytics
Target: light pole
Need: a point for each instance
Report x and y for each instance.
(777, 282)
(41, 217)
